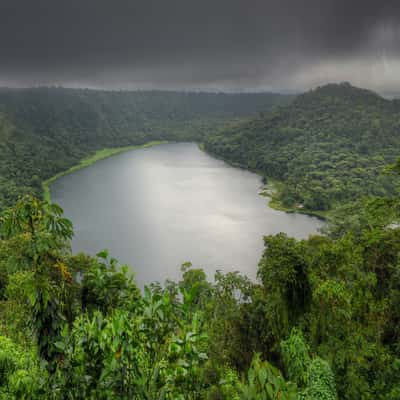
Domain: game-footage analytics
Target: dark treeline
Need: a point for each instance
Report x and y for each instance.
(44, 131)
(327, 147)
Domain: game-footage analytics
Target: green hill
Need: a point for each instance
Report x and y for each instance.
(327, 147)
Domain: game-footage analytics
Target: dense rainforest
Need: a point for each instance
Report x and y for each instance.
(44, 131)
(327, 147)
(322, 320)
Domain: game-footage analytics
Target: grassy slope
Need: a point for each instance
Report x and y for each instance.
(98, 155)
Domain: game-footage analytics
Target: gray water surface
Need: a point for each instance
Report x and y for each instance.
(158, 207)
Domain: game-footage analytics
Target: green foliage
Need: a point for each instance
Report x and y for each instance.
(225, 317)
(194, 286)
(264, 382)
(109, 341)
(106, 286)
(296, 359)
(43, 228)
(20, 377)
(130, 356)
(283, 271)
(332, 302)
(325, 312)
(322, 382)
(313, 376)
(327, 147)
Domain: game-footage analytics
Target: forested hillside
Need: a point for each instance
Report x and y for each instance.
(46, 130)
(327, 147)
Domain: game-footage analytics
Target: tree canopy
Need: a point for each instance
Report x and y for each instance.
(328, 147)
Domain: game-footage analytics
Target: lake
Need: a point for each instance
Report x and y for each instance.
(158, 207)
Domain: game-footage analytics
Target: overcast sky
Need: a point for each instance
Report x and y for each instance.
(281, 45)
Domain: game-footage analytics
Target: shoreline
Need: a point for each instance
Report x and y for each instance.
(270, 191)
(90, 160)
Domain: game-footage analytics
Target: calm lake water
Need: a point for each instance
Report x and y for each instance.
(156, 208)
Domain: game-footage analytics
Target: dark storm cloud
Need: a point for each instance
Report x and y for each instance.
(228, 44)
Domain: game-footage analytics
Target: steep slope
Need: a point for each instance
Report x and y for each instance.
(328, 146)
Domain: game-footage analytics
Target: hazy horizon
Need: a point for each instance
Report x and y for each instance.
(386, 94)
